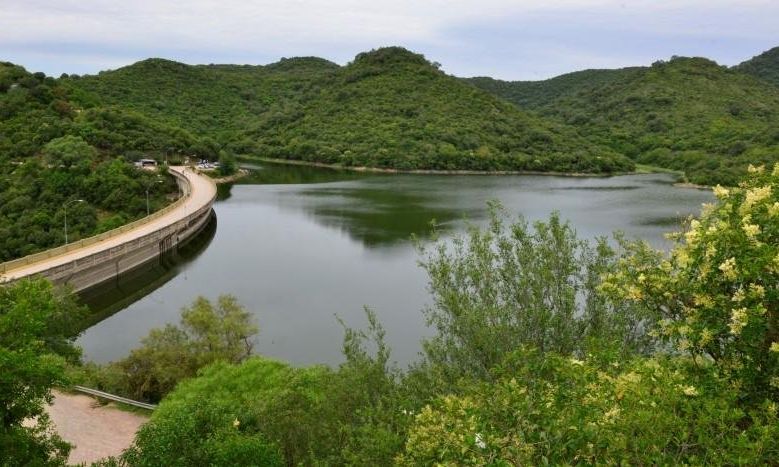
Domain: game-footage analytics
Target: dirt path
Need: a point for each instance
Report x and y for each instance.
(96, 431)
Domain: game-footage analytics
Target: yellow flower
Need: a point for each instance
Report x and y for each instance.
(236, 423)
(757, 290)
(774, 347)
(773, 210)
(738, 319)
(691, 236)
(728, 268)
(756, 169)
(634, 293)
(576, 362)
(739, 296)
(705, 337)
(775, 173)
(682, 258)
(703, 300)
(721, 192)
(754, 196)
(690, 391)
(751, 230)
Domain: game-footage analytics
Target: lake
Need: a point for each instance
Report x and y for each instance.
(299, 246)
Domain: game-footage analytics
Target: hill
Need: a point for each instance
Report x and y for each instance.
(392, 108)
(53, 152)
(536, 94)
(764, 66)
(686, 114)
(388, 108)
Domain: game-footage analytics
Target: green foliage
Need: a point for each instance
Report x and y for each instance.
(717, 292)
(208, 333)
(307, 415)
(551, 410)
(686, 114)
(37, 330)
(536, 94)
(388, 108)
(209, 431)
(52, 151)
(509, 286)
(227, 164)
(764, 66)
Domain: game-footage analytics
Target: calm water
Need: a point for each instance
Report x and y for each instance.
(299, 246)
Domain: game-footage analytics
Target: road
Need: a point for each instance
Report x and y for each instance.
(203, 191)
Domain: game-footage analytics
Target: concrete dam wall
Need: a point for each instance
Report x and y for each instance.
(92, 261)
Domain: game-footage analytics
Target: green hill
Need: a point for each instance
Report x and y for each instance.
(686, 114)
(391, 108)
(536, 94)
(764, 66)
(388, 108)
(52, 151)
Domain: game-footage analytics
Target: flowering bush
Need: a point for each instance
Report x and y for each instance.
(717, 292)
(553, 410)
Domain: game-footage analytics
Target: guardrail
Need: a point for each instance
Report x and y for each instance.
(115, 398)
(44, 255)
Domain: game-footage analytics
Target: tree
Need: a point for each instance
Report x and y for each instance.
(69, 151)
(506, 286)
(207, 333)
(38, 325)
(227, 164)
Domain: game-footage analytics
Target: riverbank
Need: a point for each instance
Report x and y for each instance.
(239, 174)
(379, 170)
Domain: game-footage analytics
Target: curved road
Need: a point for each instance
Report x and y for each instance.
(202, 192)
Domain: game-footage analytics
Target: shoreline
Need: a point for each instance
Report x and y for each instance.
(364, 169)
(239, 174)
(641, 169)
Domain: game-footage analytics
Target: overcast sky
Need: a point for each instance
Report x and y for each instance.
(508, 39)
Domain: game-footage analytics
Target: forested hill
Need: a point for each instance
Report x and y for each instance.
(391, 108)
(764, 66)
(536, 94)
(388, 108)
(53, 152)
(687, 114)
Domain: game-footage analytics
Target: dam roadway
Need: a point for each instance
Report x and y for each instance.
(91, 261)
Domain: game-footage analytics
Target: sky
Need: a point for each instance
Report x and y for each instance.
(506, 39)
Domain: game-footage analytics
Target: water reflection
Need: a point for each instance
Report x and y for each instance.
(111, 297)
(297, 245)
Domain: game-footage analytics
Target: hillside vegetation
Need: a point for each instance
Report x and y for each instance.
(764, 66)
(686, 114)
(389, 108)
(54, 152)
(537, 94)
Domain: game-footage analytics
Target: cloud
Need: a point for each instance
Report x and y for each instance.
(88, 35)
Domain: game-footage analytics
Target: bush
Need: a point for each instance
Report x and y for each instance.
(497, 289)
(554, 410)
(717, 291)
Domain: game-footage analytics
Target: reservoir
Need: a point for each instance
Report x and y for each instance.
(300, 247)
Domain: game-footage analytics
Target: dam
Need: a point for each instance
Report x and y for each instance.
(94, 260)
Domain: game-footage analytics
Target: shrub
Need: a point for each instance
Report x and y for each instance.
(717, 290)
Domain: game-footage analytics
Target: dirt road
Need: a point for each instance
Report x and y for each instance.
(96, 431)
